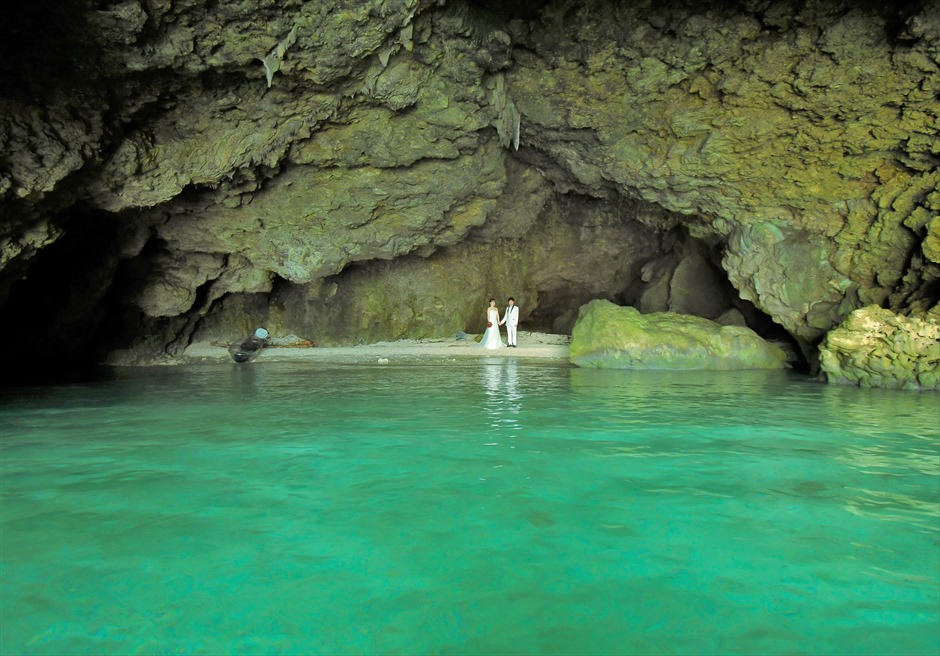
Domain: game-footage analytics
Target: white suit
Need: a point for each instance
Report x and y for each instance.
(511, 319)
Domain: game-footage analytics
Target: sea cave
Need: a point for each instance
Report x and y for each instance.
(349, 172)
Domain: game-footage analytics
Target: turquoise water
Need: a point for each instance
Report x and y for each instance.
(487, 507)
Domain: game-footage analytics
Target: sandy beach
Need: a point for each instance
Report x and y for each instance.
(532, 345)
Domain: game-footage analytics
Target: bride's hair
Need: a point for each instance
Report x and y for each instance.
(492, 300)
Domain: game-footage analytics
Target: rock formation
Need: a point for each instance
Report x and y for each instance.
(607, 336)
(874, 347)
(350, 171)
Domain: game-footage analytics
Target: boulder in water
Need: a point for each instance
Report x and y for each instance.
(875, 347)
(608, 336)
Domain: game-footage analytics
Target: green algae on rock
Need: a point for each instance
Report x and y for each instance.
(608, 336)
(875, 347)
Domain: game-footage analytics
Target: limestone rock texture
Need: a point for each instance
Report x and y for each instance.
(608, 336)
(875, 347)
(350, 171)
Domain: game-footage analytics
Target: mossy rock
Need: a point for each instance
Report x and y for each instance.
(875, 347)
(608, 336)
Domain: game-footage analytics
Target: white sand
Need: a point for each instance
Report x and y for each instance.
(531, 345)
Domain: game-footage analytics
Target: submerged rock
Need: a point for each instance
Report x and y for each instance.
(608, 336)
(875, 347)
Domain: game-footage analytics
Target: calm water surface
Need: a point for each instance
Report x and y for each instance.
(484, 507)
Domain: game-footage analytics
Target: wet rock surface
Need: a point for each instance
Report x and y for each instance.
(608, 336)
(875, 347)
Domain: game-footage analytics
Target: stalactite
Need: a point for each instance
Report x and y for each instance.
(272, 61)
(508, 119)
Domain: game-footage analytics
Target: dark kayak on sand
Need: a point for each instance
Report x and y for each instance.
(247, 349)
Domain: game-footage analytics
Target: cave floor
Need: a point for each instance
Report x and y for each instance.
(531, 345)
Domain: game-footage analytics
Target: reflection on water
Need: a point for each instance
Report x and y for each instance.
(497, 506)
(500, 378)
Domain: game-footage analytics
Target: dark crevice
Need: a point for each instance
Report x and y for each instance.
(57, 307)
(43, 45)
(518, 10)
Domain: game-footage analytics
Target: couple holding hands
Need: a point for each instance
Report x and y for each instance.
(491, 338)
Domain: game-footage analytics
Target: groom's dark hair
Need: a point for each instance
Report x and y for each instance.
(511, 299)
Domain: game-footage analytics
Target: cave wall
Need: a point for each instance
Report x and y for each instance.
(805, 135)
(349, 171)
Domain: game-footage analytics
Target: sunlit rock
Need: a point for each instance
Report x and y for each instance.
(875, 347)
(608, 336)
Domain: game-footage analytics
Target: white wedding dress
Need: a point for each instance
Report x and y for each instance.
(491, 338)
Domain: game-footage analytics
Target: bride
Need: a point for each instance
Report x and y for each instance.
(491, 338)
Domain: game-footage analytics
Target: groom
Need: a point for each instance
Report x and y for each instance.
(511, 319)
